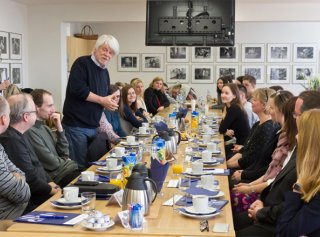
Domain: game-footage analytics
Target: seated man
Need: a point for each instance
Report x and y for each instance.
(21, 153)
(14, 190)
(52, 148)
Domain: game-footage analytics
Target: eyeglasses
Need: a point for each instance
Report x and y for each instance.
(30, 112)
(204, 225)
(295, 115)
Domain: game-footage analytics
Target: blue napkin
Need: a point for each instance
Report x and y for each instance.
(201, 191)
(182, 112)
(158, 172)
(161, 126)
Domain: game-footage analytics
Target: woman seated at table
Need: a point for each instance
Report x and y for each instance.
(301, 209)
(253, 168)
(155, 97)
(243, 194)
(234, 123)
(138, 87)
(261, 133)
(129, 113)
(113, 117)
(220, 83)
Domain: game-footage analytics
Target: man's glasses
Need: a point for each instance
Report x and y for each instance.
(30, 112)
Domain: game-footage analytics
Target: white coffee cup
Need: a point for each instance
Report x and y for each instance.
(205, 127)
(207, 181)
(146, 125)
(200, 203)
(206, 138)
(111, 163)
(71, 194)
(206, 155)
(197, 167)
(119, 151)
(87, 176)
(131, 140)
(211, 146)
(142, 130)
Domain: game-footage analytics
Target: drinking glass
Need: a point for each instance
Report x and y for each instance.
(88, 202)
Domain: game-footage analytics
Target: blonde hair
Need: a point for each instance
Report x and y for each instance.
(263, 95)
(308, 162)
(155, 80)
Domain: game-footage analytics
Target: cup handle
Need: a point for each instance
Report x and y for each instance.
(154, 187)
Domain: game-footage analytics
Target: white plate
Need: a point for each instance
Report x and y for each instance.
(204, 172)
(210, 162)
(64, 201)
(198, 216)
(130, 145)
(219, 194)
(111, 223)
(107, 170)
(65, 207)
(191, 210)
(211, 188)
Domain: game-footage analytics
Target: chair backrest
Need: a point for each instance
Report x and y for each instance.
(125, 125)
(99, 146)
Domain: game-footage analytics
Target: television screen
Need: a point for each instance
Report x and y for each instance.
(190, 22)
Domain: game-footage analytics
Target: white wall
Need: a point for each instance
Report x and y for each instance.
(46, 29)
(14, 18)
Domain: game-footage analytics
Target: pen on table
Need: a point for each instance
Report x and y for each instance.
(45, 216)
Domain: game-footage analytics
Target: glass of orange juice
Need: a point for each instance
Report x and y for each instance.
(116, 179)
(177, 167)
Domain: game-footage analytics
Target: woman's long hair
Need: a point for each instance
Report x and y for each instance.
(124, 101)
(235, 91)
(308, 162)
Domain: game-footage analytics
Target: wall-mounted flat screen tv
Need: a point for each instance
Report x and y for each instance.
(190, 22)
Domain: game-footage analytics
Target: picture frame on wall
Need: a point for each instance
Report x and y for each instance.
(4, 45)
(202, 54)
(279, 53)
(231, 71)
(257, 71)
(16, 74)
(177, 73)
(202, 74)
(304, 53)
(300, 73)
(152, 62)
(253, 53)
(228, 53)
(128, 62)
(177, 54)
(15, 46)
(4, 71)
(278, 74)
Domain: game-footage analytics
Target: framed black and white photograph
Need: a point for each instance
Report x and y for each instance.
(257, 71)
(202, 74)
(4, 72)
(177, 73)
(128, 62)
(202, 54)
(4, 45)
(279, 53)
(301, 73)
(278, 74)
(228, 54)
(16, 74)
(177, 54)
(15, 46)
(305, 53)
(252, 52)
(231, 71)
(152, 62)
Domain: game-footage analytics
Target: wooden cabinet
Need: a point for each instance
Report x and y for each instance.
(77, 47)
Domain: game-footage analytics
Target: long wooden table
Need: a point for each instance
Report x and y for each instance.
(162, 221)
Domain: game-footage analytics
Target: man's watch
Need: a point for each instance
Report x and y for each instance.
(297, 187)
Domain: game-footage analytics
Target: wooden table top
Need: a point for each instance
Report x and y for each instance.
(162, 221)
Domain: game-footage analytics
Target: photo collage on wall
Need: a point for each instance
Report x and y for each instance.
(11, 58)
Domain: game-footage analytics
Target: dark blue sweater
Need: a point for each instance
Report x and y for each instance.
(131, 118)
(85, 77)
(114, 119)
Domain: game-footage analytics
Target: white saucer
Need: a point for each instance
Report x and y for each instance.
(216, 152)
(111, 223)
(204, 172)
(107, 170)
(143, 134)
(210, 162)
(66, 207)
(198, 216)
(65, 202)
(219, 194)
(191, 210)
(130, 145)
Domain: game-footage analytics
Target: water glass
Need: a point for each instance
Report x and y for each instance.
(88, 202)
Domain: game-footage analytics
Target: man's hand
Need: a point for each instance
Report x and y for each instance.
(236, 175)
(18, 176)
(54, 188)
(109, 102)
(56, 121)
(229, 133)
(242, 188)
